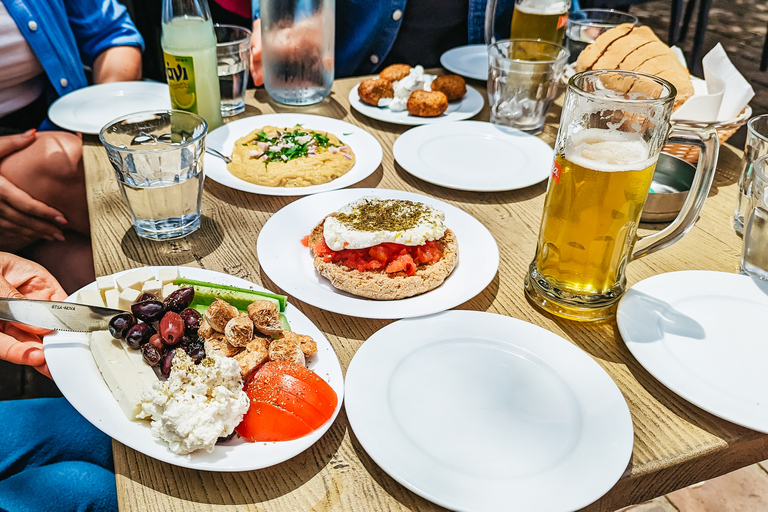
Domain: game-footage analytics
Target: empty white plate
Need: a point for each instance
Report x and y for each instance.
(702, 334)
(474, 155)
(470, 61)
(478, 411)
(87, 110)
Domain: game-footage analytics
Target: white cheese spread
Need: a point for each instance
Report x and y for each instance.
(371, 221)
(416, 80)
(197, 404)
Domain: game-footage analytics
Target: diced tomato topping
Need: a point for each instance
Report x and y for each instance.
(389, 257)
(305, 241)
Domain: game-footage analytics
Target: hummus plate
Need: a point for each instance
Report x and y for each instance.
(367, 151)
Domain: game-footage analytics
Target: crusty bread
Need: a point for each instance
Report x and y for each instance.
(631, 48)
(379, 285)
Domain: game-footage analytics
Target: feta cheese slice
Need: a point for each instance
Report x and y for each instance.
(112, 298)
(134, 279)
(127, 297)
(90, 297)
(167, 274)
(154, 287)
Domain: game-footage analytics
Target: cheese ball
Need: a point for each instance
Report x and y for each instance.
(427, 103)
(453, 86)
(395, 72)
(373, 89)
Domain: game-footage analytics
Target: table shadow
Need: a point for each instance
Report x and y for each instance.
(178, 252)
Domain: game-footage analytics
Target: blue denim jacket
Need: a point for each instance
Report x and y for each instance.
(66, 34)
(366, 30)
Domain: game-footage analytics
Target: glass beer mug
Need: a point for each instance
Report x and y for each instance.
(531, 19)
(612, 129)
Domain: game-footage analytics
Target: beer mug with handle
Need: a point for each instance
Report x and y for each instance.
(531, 19)
(612, 129)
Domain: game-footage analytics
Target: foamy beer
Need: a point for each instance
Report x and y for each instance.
(540, 19)
(612, 129)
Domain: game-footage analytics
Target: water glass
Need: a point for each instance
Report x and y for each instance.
(756, 146)
(586, 25)
(297, 43)
(523, 77)
(754, 254)
(233, 51)
(158, 162)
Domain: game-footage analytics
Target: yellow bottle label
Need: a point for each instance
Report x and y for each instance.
(180, 72)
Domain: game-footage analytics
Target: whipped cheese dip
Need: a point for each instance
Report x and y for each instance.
(197, 404)
(416, 80)
(371, 221)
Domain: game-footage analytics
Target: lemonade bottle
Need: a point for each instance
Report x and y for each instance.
(189, 51)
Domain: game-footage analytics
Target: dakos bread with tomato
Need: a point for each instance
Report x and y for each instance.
(384, 249)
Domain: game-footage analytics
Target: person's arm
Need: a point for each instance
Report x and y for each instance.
(117, 64)
(256, 72)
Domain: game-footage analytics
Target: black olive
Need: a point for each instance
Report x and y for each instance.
(119, 325)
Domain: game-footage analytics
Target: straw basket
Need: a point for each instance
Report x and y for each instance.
(724, 131)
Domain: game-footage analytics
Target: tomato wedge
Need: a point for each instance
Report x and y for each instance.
(288, 401)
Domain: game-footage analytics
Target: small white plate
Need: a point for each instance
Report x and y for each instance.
(289, 264)
(470, 61)
(702, 334)
(474, 155)
(89, 109)
(468, 106)
(77, 376)
(366, 148)
(478, 411)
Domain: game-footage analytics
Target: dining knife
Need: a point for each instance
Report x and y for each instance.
(57, 316)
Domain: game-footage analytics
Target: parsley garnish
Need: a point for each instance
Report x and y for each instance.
(290, 144)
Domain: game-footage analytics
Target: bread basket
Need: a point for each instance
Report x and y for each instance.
(724, 131)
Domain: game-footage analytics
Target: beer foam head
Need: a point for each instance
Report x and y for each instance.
(608, 150)
(542, 7)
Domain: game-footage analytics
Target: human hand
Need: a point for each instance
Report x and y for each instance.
(22, 216)
(256, 72)
(20, 278)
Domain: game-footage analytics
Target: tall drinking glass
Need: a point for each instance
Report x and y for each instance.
(158, 161)
(613, 126)
(586, 25)
(755, 146)
(297, 39)
(233, 54)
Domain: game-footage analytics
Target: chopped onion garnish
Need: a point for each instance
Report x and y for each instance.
(347, 156)
(263, 146)
(254, 153)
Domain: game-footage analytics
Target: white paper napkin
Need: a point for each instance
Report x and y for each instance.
(721, 96)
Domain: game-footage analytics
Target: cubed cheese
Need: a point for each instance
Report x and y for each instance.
(134, 279)
(169, 289)
(112, 298)
(154, 287)
(167, 274)
(104, 283)
(90, 297)
(127, 297)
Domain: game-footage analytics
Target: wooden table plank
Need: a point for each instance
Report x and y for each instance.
(676, 443)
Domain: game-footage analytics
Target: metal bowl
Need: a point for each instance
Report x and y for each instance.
(672, 180)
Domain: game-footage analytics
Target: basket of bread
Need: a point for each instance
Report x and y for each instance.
(636, 48)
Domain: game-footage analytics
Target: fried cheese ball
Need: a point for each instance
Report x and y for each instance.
(453, 86)
(395, 72)
(305, 343)
(373, 89)
(217, 342)
(219, 313)
(427, 103)
(239, 330)
(265, 317)
(284, 350)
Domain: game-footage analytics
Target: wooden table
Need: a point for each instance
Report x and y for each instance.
(676, 444)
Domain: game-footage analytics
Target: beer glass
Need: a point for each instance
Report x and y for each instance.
(531, 19)
(612, 129)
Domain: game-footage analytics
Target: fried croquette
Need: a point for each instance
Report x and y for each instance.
(427, 103)
(395, 72)
(373, 89)
(453, 86)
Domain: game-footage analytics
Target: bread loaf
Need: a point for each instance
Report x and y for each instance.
(631, 48)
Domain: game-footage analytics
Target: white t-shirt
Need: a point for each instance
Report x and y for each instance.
(21, 76)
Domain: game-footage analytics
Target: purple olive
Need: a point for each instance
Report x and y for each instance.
(151, 354)
(138, 335)
(197, 354)
(157, 341)
(171, 328)
(119, 325)
(179, 300)
(148, 311)
(146, 296)
(192, 321)
(167, 362)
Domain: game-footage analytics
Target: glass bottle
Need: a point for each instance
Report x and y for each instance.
(189, 51)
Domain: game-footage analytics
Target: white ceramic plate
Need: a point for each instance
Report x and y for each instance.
(470, 61)
(289, 264)
(468, 106)
(366, 148)
(79, 380)
(89, 109)
(475, 411)
(702, 334)
(474, 155)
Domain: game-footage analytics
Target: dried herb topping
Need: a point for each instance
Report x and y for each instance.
(384, 215)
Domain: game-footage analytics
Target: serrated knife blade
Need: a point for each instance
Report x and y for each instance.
(57, 316)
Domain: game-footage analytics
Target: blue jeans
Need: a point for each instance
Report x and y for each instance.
(51, 458)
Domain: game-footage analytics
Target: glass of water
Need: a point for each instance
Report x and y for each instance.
(233, 50)
(523, 77)
(586, 25)
(754, 255)
(158, 161)
(755, 147)
(297, 42)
